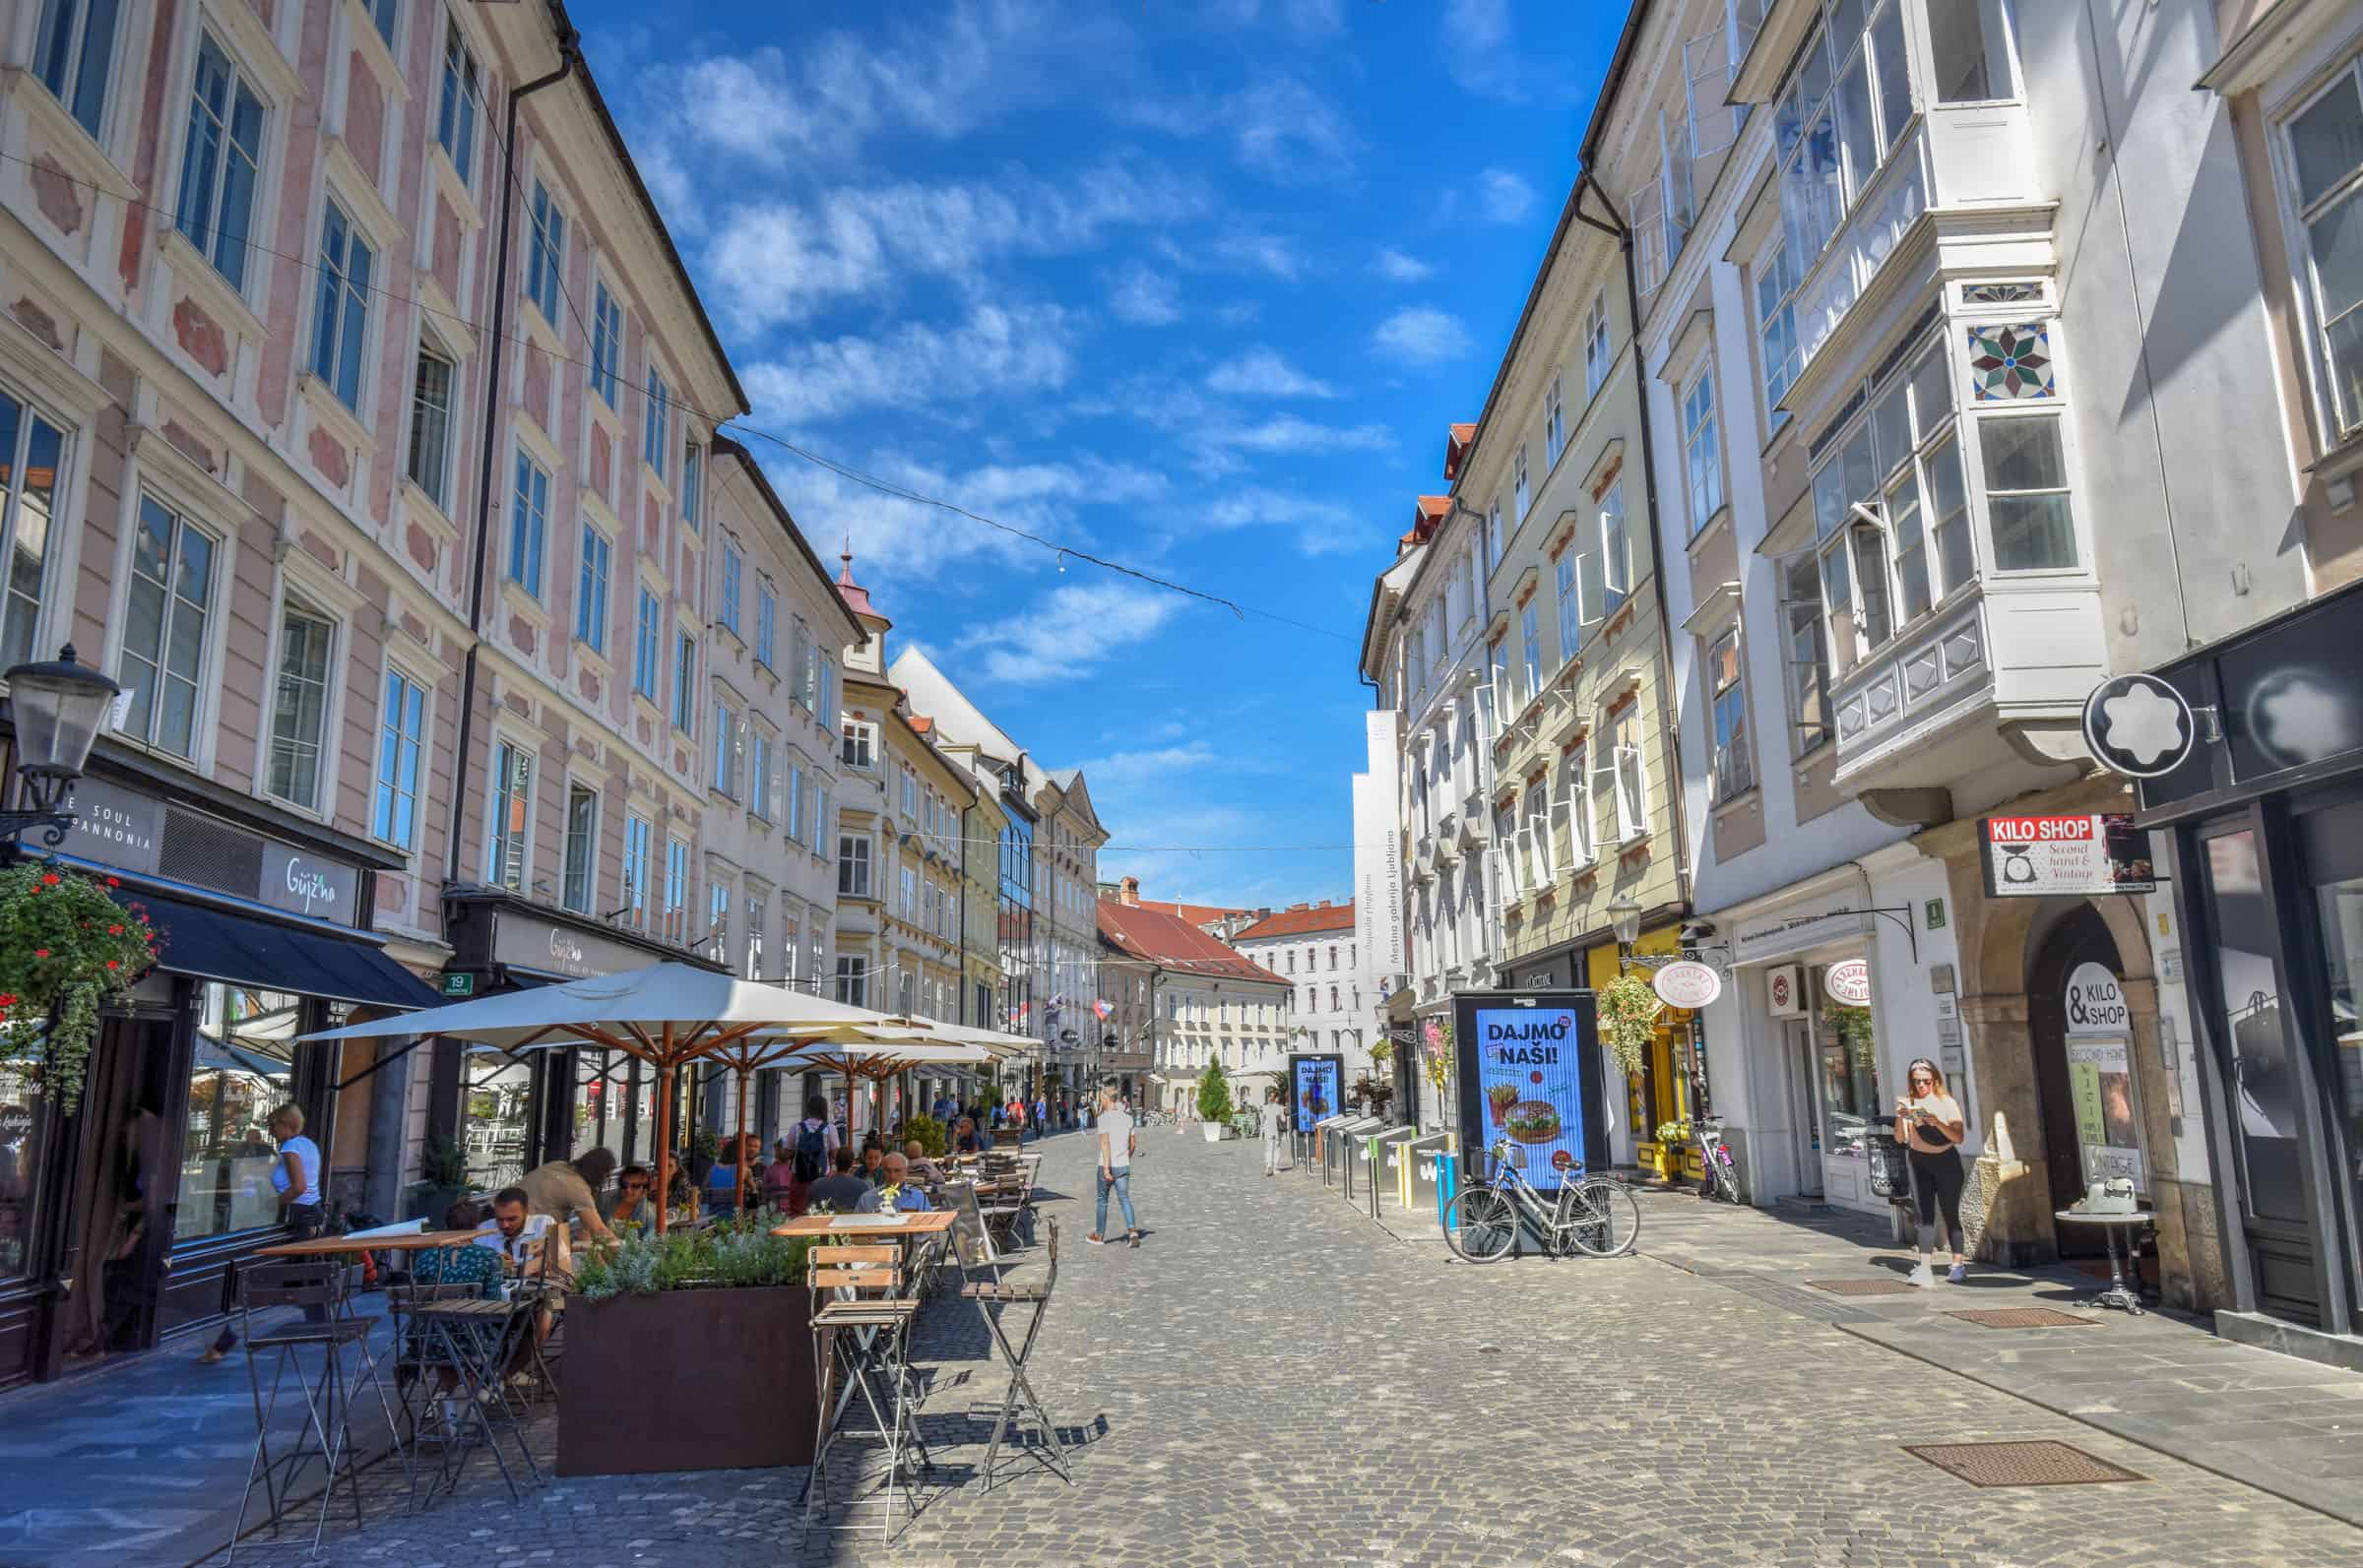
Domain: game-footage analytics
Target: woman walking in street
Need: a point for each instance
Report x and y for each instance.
(1928, 1122)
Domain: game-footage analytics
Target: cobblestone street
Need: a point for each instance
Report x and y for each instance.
(1271, 1378)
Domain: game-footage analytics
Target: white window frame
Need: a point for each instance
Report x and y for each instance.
(210, 237)
(734, 574)
(647, 645)
(587, 904)
(394, 790)
(677, 890)
(606, 342)
(220, 570)
(1520, 490)
(1596, 355)
(2339, 421)
(656, 433)
(1804, 616)
(856, 870)
(77, 46)
(529, 524)
(860, 746)
(497, 789)
(324, 745)
(458, 97)
(338, 347)
(1555, 420)
(546, 253)
(64, 502)
(640, 858)
(591, 601)
(1702, 477)
(1731, 769)
(767, 622)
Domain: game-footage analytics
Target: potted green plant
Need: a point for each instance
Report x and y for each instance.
(701, 1335)
(929, 1133)
(1214, 1101)
(442, 1179)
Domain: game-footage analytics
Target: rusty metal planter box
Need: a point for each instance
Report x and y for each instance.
(688, 1380)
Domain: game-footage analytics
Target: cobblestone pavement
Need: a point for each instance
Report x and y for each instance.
(1271, 1378)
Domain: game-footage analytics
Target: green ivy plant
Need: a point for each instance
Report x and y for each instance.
(1382, 1053)
(1628, 1008)
(929, 1133)
(66, 950)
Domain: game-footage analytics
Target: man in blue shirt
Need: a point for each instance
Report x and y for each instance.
(898, 1175)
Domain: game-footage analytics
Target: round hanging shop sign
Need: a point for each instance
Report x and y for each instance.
(2096, 1003)
(2139, 726)
(1687, 983)
(1849, 983)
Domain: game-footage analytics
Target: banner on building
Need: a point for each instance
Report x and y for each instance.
(1378, 846)
(2085, 854)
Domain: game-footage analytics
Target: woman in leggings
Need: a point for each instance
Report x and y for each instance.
(1928, 1122)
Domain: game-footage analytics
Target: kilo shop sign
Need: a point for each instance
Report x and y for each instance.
(2085, 854)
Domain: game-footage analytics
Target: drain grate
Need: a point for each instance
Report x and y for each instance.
(2026, 1318)
(2027, 1464)
(1863, 1287)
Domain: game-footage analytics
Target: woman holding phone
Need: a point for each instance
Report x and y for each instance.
(1928, 1123)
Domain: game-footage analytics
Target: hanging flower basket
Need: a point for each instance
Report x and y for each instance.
(1628, 1008)
(1438, 1064)
(66, 950)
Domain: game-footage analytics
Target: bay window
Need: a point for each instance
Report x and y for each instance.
(1971, 43)
(2026, 494)
(1839, 115)
(2326, 167)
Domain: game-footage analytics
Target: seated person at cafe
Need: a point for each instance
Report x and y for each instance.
(968, 1141)
(567, 1190)
(527, 1242)
(908, 1198)
(722, 1179)
(874, 1161)
(841, 1191)
(635, 1211)
(479, 1266)
(778, 1179)
(922, 1168)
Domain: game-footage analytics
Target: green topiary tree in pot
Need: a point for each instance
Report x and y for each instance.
(1214, 1101)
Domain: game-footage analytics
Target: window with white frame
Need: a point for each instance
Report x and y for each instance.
(1702, 450)
(222, 162)
(2026, 494)
(1662, 212)
(853, 865)
(790, 940)
(693, 480)
(1574, 810)
(910, 892)
(300, 704)
(341, 315)
(647, 631)
(725, 748)
(167, 617)
(796, 800)
(34, 451)
(1727, 698)
(1493, 534)
(860, 746)
(1709, 63)
(1616, 553)
(1806, 652)
(1972, 44)
(733, 568)
(1595, 345)
(400, 744)
(546, 253)
(684, 682)
(758, 915)
(429, 465)
(2325, 177)
(718, 920)
(853, 979)
(1776, 327)
(759, 782)
(819, 817)
(75, 54)
(1618, 767)
(509, 830)
(1534, 836)
(591, 592)
(1518, 487)
(529, 524)
(638, 836)
(767, 623)
(677, 890)
(1838, 116)
(657, 432)
(1554, 422)
(580, 884)
(455, 110)
(800, 653)
(606, 342)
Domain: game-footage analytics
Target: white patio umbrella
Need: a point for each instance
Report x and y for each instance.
(668, 1015)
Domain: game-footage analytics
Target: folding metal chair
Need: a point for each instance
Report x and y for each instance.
(993, 1301)
(862, 1332)
(480, 1338)
(314, 1283)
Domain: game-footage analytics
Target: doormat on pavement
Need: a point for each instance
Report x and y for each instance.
(2027, 1464)
(2026, 1318)
(1863, 1287)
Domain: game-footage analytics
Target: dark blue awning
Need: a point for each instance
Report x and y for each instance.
(221, 945)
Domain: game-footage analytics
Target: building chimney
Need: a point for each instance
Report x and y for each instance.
(1325, 904)
(1131, 891)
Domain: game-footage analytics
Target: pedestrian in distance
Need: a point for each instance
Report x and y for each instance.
(1928, 1122)
(1275, 1128)
(1042, 1115)
(1115, 1131)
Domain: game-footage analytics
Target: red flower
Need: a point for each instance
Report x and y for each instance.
(112, 964)
(50, 879)
(114, 882)
(40, 952)
(114, 930)
(8, 999)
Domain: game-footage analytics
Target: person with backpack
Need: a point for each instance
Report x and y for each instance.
(814, 1142)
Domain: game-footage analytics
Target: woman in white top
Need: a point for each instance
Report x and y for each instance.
(296, 1177)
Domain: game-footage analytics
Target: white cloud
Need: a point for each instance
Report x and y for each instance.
(1320, 526)
(1505, 198)
(1066, 632)
(1310, 18)
(1144, 297)
(1288, 133)
(1263, 373)
(1287, 433)
(1474, 38)
(1154, 765)
(1236, 250)
(1422, 334)
(996, 350)
(1392, 264)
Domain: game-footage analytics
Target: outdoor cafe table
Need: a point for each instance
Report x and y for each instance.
(910, 1226)
(405, 1241)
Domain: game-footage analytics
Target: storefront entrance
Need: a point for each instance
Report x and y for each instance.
(2083, 1077)
(1802, 1070)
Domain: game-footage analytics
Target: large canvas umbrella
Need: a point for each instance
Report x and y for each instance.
(874, 1061)
(668, 1015)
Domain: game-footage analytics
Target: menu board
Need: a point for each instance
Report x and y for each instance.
(1529, 1086)
(1313, 1089)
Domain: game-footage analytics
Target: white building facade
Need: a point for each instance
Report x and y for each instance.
(1333, 987)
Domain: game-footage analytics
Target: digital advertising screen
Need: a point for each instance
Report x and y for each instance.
(1529, 1068)
(1314, 1087)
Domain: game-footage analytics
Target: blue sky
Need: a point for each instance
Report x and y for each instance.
(1195, 284)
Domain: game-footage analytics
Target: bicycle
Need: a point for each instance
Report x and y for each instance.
(1595, 1215)
(1722, 1171)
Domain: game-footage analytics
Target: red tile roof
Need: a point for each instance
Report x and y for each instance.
(1464, 433)
(855, 596)
(1298, 918)
(920, 725)
(1171, 941)
(1200, 914)
(1456, 448)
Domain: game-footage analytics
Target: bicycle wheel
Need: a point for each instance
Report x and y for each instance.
(1727, 1180)
(1608, 1220)
(1481, 1225)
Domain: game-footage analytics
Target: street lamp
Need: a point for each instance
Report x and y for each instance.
(57, 707)
(1625, 914)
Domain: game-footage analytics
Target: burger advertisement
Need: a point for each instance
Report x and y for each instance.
(1312, 1088)
(1531, 1062)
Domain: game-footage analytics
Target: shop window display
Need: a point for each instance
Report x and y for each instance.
(499, 1089)
(2342, 948)
(1848, 1050)
(245, 1045)
(22, 1147)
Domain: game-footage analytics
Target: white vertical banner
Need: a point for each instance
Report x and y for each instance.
(1366, 840)
(1384, 841)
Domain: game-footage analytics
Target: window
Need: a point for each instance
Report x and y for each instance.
(677, 891)
(1728, 697)
(685, 681)
(299, 706)
(636, 839)
(1969, 43)
(582, 849)
(32, 454)
(606, 342)
(853, 979)
(726, 750)
(340, 322)
(910, 793)
(1493, 534)
(2326, 159)
(820, 813)
(546, 253)
(1530, 638)
(1616, 551)
(2026, 494)
(1776, 327)
(75, 51)
(383, 14)
(718, 920)
(1627, 777)
(759, 784)
(529, 527)
(1534, 838)
(1702, 451)
(646, 630)
(590, 594)
(430, 431)
(218, 168)
(767, 621)
(455, 113)
(910, 892)
(694, 469)
(795, 801)
(512, 816)
(400, 734)
(758, 915)
(656, 437)
(1846, 101)
(1806, 652)
(1555, 422)
(733, 566)
(859, 748)
(1574, 808)
(1519, 489)
(1595, 345)
(168, 614)
(853, 865)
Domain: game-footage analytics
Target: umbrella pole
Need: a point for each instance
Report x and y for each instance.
(664, 1142)
(742, 1079)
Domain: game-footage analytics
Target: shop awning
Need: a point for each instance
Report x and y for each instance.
(220, 944)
